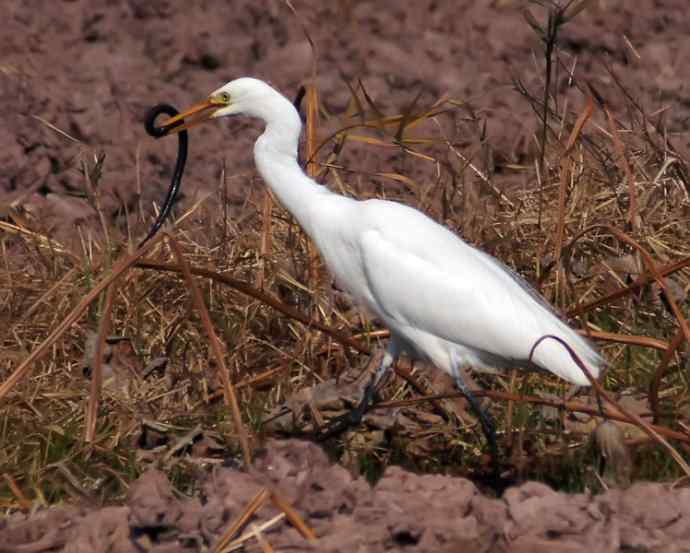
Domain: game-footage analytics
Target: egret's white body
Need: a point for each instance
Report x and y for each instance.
(442, 299)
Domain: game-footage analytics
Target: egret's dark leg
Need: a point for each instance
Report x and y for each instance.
(488, 426)
(354, 417)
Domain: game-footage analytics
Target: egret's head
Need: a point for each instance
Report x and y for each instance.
(242, 96)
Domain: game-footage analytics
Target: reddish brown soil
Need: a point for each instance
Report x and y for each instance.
(404, 512)
(93, 67)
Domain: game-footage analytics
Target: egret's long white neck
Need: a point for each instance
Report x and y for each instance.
(275, 154)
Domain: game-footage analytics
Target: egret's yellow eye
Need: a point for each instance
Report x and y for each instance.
(224, 97)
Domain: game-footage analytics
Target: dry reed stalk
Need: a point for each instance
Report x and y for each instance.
(24, 502)
(566, 175)
(644, 425)
(649, 264)
(244, 538)
(676, 342)
(569, 406)
(254, 505)
(288, 311)
(642, 341)
(633, 219)
(266, 245)
(638, 283)
(310, 146)
(97, 376)
(293, 516)
(118, 269)
(230, 395)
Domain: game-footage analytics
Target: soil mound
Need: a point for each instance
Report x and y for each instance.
(403, 512)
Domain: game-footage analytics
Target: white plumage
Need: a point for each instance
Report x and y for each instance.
(442, 299)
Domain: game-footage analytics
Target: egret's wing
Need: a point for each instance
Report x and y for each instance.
(460, 295)
(470, 309)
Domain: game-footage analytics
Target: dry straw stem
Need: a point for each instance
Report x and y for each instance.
(633, 220)
(35, 237)
(230, 395)
(312, 169)
(290, 312)
(261, 378)
(266, 547)
(118, 269)
(678, 339)
(566, 165)
(642, 341)
(24, 502)
(639, 282)
(569, 406)
(293, 516)
(645, 426)
(97, 376)
(649, 263)
(254, 505)
(380, 123)
(266, 246)
(226, 543)
(312, 103)
(239, 542)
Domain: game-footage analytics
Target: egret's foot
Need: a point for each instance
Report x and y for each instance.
(487, 424)
(488, 427)
(339, 425)
(352, 418)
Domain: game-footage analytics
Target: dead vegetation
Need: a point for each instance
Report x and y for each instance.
(220, 309)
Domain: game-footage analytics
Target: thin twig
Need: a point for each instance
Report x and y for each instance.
(645, 426)
(254, 505)
(620, 154)
(293, 516)
(570, 406)
(648, 262)
(642, 280)
(230, 395)
(288, 311)
(97, 376)
(118, 268)
(678, 339)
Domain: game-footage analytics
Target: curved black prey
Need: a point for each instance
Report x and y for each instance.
(182, 147)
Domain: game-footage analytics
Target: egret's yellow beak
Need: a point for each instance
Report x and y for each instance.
(191, 117)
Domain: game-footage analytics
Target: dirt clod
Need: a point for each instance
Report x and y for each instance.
(78, 179)
(403, 512)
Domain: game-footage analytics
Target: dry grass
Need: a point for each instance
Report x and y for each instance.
(608, 205)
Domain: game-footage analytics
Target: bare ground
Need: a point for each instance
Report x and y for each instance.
(93, 68)
(404, 512)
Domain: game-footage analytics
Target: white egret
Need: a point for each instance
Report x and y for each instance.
(443, 300)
